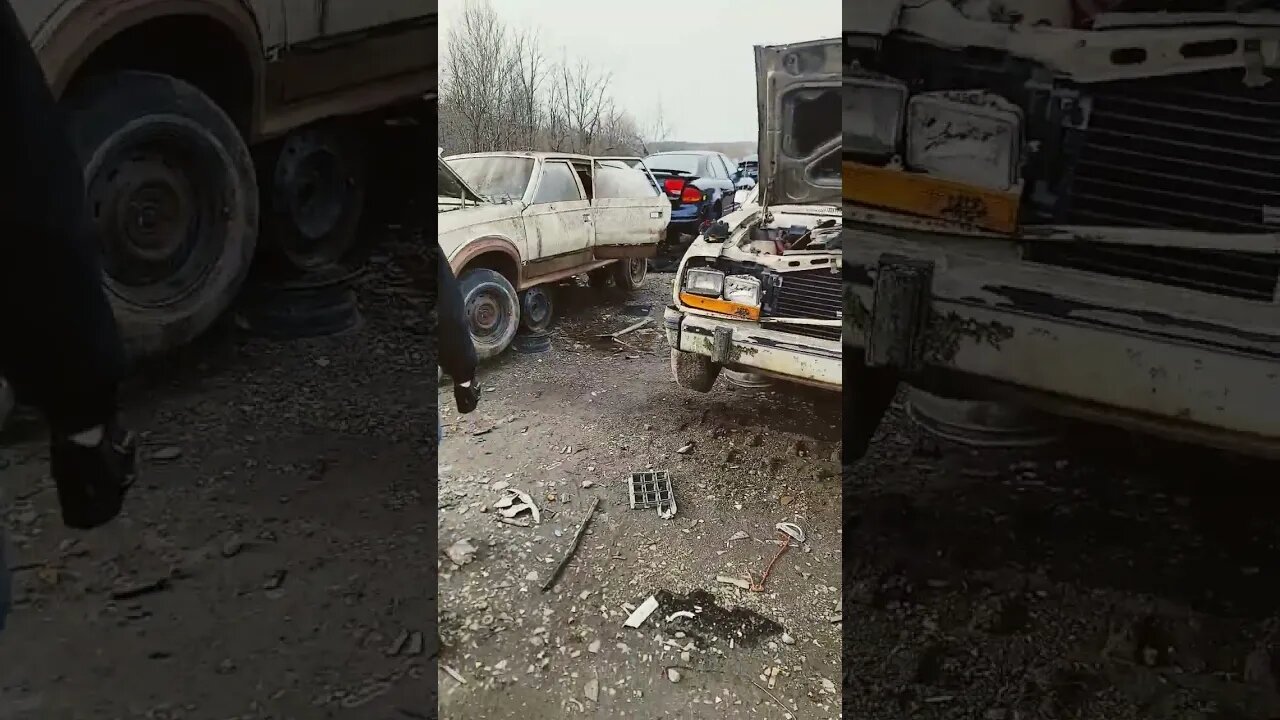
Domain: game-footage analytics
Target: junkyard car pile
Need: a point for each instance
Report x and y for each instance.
(1066, 211)
(758, 291)
(512, 223)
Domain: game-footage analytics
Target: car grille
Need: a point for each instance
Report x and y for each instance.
(1197, 152)
(811, 295)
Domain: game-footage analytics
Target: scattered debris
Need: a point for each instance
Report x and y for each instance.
(785, 531)
(630, 328)
(138, 589)
(642, 613)
(679, 614)
(232, 546)
(416, 644)
(673, 675)
(684, 449)
(592, 690)
(453, 674)
(740, 582)
(461, 552)
(740, 535)
(573, 546)
(794, 531)
(508, 508)
(653, 490)
(164, 454)
(274, 580)
(771, 696)
(400, 643)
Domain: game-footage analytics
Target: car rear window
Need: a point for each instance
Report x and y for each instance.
(615, 180)
(495, 177)
(687, 164)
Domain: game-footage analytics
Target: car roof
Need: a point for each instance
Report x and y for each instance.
(536, 155)
(685, 152)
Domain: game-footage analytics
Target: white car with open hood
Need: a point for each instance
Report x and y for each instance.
(760, 291)
(511, 223)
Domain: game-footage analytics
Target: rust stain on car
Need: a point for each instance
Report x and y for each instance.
(948, 330)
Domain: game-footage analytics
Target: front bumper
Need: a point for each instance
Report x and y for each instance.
(745, 345)
(1187, 365)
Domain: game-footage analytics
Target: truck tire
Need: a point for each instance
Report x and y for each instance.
(172, 189)
(316, 196)
(629, 273)
(693, 371)
(492, 308)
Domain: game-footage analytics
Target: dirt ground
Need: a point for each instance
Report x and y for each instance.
(280, 544)
(1109, 577)
(567, 427)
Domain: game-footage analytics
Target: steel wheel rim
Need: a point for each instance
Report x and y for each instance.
(159, 194)
(487, 314)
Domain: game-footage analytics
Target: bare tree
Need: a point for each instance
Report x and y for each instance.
(498, 91)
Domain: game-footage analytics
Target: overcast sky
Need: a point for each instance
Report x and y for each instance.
(692, 58)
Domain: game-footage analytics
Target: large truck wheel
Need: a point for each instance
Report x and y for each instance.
(492, 309)
(693, 371)
(172, 189)
(315, 197)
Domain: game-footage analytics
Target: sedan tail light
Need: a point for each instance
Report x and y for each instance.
(690, 194)
(673, 186)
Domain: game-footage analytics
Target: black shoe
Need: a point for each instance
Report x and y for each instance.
(92, 481)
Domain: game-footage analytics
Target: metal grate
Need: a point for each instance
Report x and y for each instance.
(1197, 152)
(811, 295)
(652, 490)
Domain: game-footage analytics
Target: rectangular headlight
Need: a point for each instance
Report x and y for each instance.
(702, 281)
(972, 137)
(742, 289)
(873, 107)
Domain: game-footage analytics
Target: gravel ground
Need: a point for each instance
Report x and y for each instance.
(1111, 577)
(282, 539)
(568, 427)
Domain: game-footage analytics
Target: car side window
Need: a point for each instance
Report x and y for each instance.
(729, 167)
(557, 184)
(713, 167)
(616, 180)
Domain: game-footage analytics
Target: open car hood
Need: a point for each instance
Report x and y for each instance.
(798, 95)
(450, 184)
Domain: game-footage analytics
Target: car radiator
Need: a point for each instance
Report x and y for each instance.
(810, 295)
(1197, 152)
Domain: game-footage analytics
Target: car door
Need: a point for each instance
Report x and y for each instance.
(630, 213)
(557, 220)
(339, 45)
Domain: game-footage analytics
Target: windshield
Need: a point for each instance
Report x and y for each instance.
(495, 177)
(674, 162)
(448, 184)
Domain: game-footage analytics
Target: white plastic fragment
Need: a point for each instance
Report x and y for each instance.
(642, 613)
(680, 614)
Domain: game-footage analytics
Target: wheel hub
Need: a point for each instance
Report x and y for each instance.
(484, 313)
(145, 208)
(157, 195)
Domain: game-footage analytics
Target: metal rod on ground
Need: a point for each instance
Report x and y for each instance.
(573, 546)
(627, 329)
